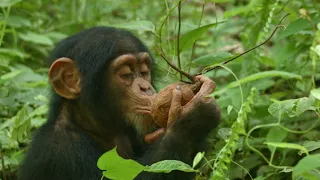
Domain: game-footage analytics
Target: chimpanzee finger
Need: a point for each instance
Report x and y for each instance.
(153, 137)
(175, 108)
(207, 86)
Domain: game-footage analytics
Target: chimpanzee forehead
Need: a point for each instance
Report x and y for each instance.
(132, 60)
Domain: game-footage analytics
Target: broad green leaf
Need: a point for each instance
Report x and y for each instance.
(7, 3)
(211, 59)
(316, 93)
(294, 27)
(306, 164)
(137, 25)
(275, 134)
(277, 109)
(36, 38)
(311, 146)
(115, 167)
(187, 40)
(287, 145)
(167, 166)
(310, 175)
(305, 104)
(197, 159)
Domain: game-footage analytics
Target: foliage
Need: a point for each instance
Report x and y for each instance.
(278, 139)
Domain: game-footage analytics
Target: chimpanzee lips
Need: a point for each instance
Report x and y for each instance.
(143, 110)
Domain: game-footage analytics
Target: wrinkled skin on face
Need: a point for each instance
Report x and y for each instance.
(131, 78)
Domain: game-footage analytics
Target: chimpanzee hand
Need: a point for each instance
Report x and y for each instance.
(199, 114)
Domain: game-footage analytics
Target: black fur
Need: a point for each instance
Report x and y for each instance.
(68, 152)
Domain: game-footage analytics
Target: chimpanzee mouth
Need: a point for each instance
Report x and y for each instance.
(144, 110)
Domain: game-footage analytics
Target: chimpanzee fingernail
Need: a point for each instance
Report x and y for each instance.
(178, 88)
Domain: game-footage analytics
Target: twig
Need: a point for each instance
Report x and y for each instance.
(194, 43)
(178, 37)
(264, 42)
(190, 77)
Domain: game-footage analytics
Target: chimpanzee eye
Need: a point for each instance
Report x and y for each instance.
(146, 73)
(127, 76)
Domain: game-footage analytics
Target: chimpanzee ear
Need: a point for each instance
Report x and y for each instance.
(65, 78)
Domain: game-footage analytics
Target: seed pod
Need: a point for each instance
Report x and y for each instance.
(161, 104)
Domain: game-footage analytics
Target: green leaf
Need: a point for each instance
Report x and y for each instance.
(36, 38)
(7, 3)
(11, 75)
(187, 40)
(277, 109)
(254, 77)
(229, 109)
(275, 134)
(305, 104)
(306, 164)
(115, 167)
(167, 166)
(211, 59)
(197, 159)
(137, 25)
(316, 93)
(12, 52)
(287, 145)
(18, 21)
(294, 27)
(311, 145)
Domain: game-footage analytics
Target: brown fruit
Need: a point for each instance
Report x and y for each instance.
(161, 104)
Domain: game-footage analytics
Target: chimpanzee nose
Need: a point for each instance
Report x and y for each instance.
(146, 88)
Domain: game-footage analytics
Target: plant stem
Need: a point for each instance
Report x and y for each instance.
(178, 37)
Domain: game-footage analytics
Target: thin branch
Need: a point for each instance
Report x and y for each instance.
(235, 57)
(190, 77)
(194, 44)
(178, 37)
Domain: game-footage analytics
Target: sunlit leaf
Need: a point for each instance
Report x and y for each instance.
(197, 159)
(167, 166)
(115, 167)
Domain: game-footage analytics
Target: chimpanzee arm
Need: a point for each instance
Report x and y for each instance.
(183, 140)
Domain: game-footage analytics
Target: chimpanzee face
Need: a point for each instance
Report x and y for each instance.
(131, 78)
